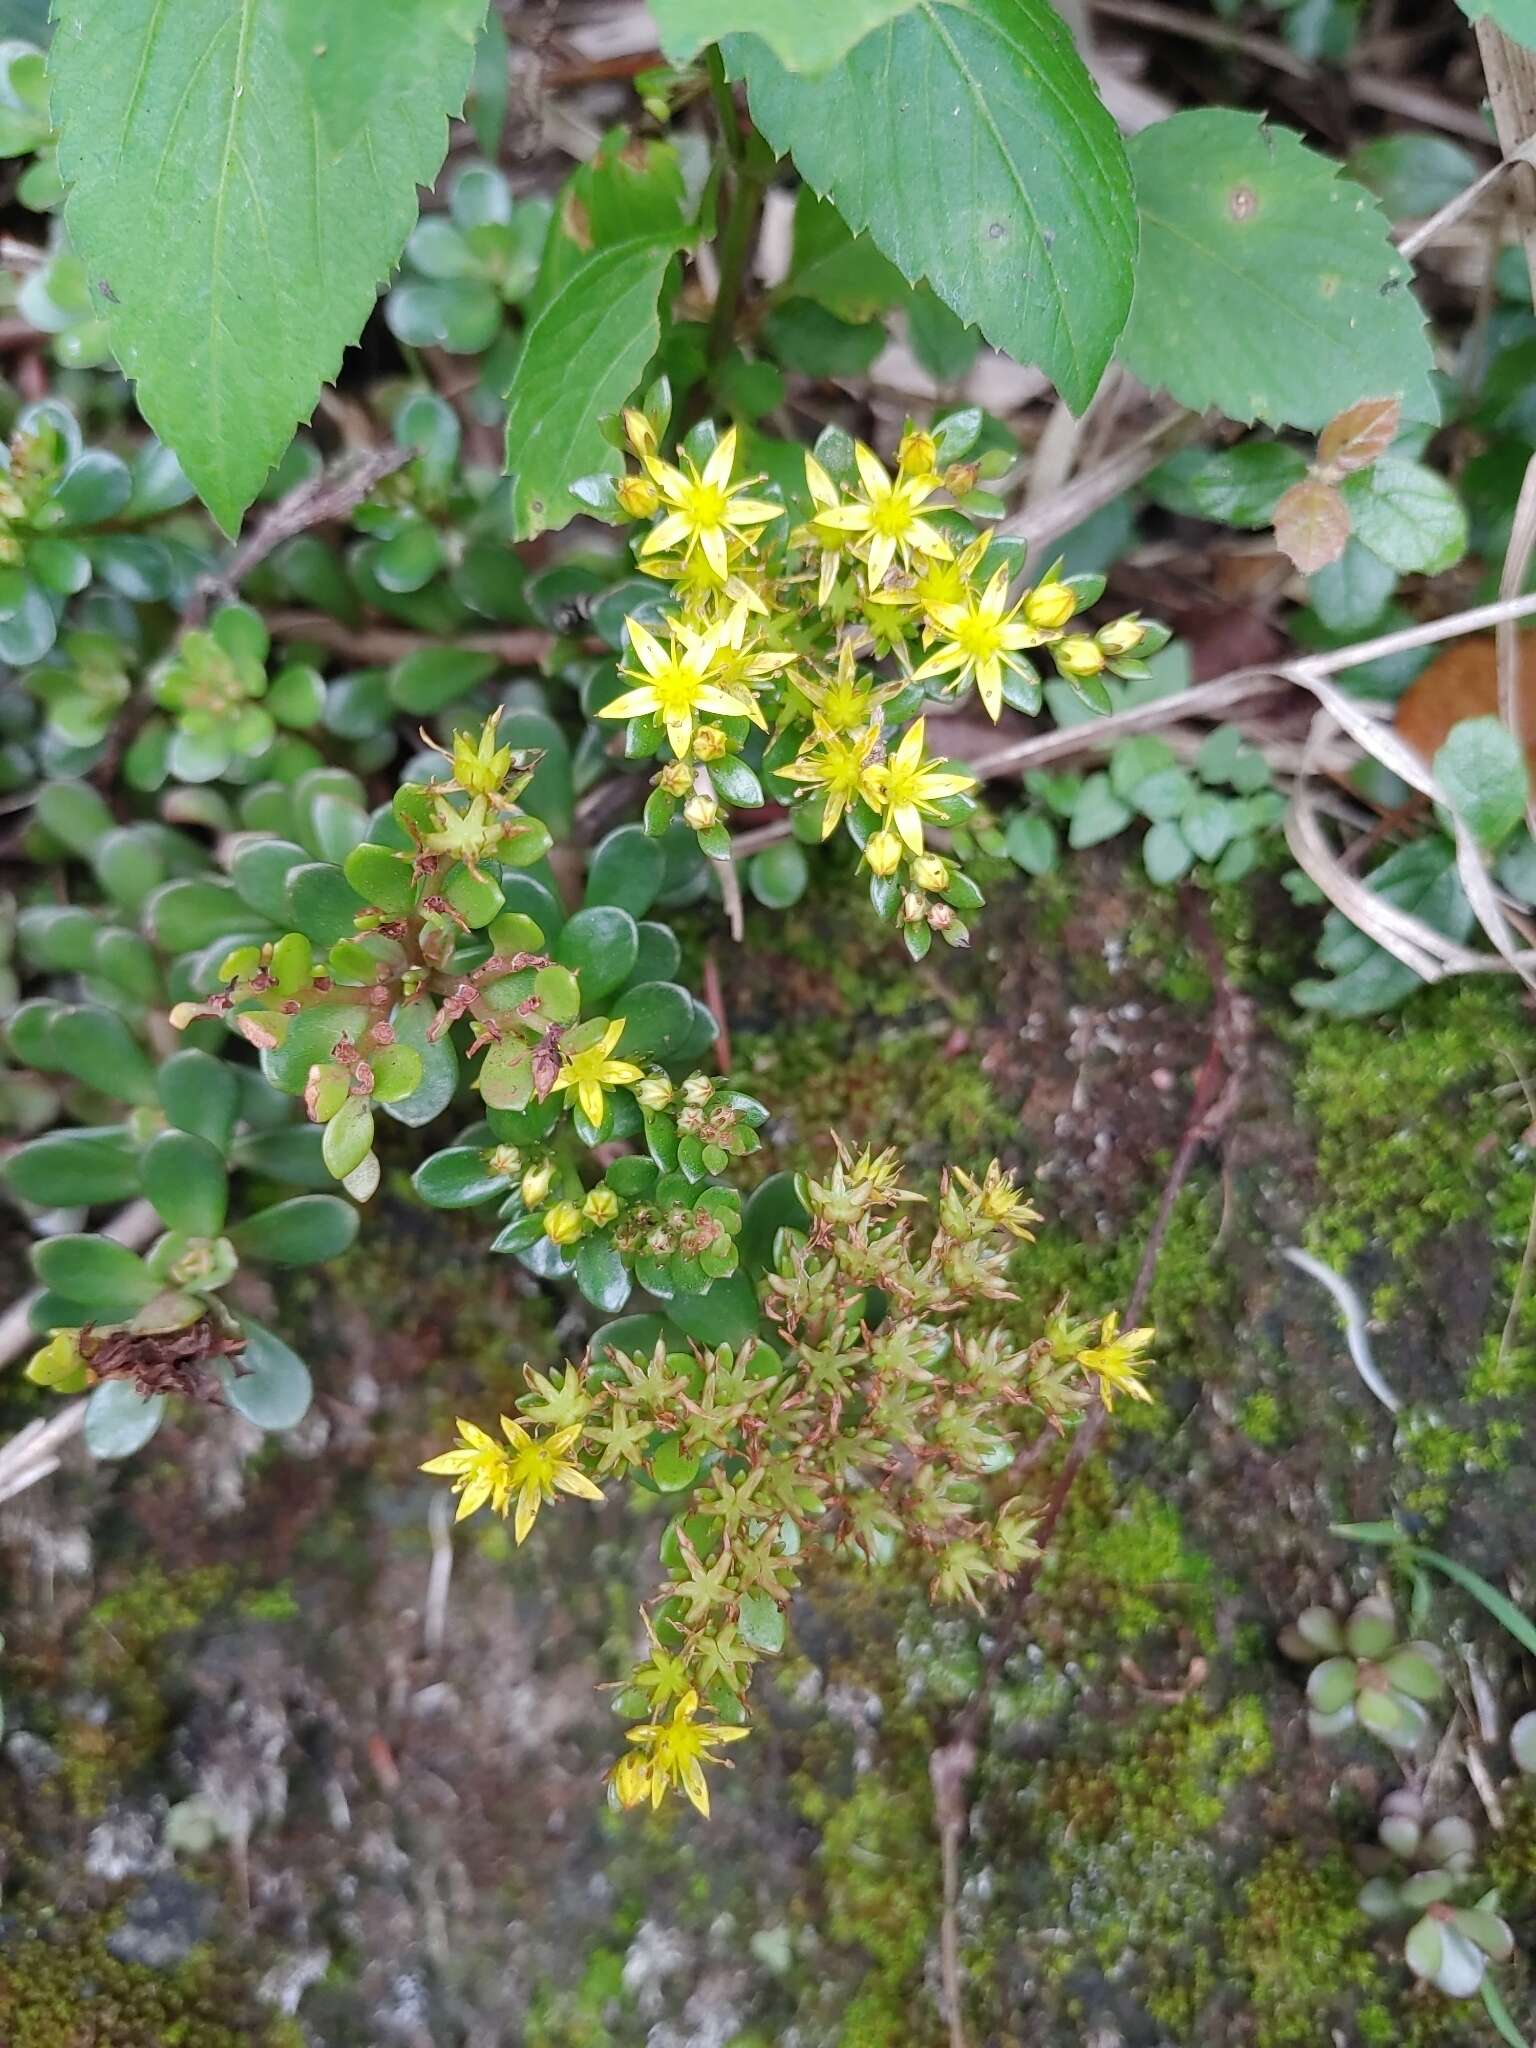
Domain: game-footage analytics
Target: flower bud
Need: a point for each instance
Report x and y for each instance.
(676, 778)
(637, 496)
(918, 454)
(709, 743)
(563, 1223)
(654, 1092)
(1050, 605)
(700, 812)
(600, 1207)
(1121, 636)
(697, 1090)
(883, 851)
(940, 917)
(913, 908)
(929, 872)
(1077, 655)
(537, 1182)
(503, 1159)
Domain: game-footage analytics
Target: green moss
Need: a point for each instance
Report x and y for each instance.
(880, 1869)
(60, 1987)
(1127, 1848)
(1262, 1420)
(1411, 1135)
(1121, 1569)
(889, 1088)
(120, 1654)
(1192, 1302)
(1302, 1945)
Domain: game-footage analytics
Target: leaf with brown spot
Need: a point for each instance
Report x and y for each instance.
(1312, 524)
(1354, 438)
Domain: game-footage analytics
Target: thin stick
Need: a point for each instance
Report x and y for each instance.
(1039, 525)
(330, 495)
(379, 646)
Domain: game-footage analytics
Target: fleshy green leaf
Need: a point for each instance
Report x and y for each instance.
(304, 1231)
(242, 175)
(457, 1179)
(970, 143)
(107, 1278)
(1267, 285)
(184, 1178)
(580, 360)
(64, 1168)
(806, 35)
(119, 1420)
(274, 1388)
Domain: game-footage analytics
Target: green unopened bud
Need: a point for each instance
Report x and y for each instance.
(700, 812)
(563, 1223)
(1077, 655)
(537, 1182)
(600, 1207)
(654, 1092)
(929, 872)
(883, 851)
(59, 1361)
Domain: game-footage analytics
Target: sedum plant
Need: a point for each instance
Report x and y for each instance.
(1364, 1674)
(1424, 1873)
(822, 1428)
(798, 659)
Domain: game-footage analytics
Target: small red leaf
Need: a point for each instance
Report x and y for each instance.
(1312, 524)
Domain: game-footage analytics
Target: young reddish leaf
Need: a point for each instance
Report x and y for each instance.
(1354, 438)
(1311, 524)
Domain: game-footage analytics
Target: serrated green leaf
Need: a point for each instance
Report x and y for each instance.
(1267, 285)
(580, 360)
(1407, 516)
(240, 170)
(970, 143)
(807, 35)
(1481, 769)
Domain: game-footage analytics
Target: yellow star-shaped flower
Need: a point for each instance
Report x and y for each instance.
(677, 682)
(908, 788)
(706, 511)
(593, 1069)
(672, 1751)
(887, 520)
(979, 638)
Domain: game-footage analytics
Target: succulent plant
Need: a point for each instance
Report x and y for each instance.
(1364, 1674)
(1425, 1868)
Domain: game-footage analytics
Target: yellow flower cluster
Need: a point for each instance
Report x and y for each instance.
(779, 627)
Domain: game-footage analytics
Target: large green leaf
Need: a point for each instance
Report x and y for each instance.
(806, 35)
(242, 176)
(1267, 285)
(1517, 18)
(582, 358)
(970, 143)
